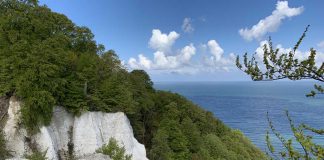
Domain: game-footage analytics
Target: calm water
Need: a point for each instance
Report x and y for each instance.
(243, 105)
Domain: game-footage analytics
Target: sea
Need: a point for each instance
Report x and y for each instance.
(244, 105)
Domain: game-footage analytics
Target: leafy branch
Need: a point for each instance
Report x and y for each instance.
(279, 65)
(276, 66)
(310, 150)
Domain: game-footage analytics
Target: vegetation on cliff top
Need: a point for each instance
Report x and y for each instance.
(47, 60)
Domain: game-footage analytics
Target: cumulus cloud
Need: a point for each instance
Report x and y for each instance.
(217, 61)
(161, 61)
(142, 63)
(163, 57)
(272, 22)
(162, 41)
(187, 25)
(181, 61)
(215, 49)
(186, 53)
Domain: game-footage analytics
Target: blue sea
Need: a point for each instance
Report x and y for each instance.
(243, 105)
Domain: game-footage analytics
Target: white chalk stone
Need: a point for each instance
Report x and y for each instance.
(89, 132)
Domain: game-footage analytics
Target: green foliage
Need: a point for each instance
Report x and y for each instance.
(311, 150)
(114, 151)
(280, 66)
(46, 60)
(40, 102)
(37, 156)
(32, 58)
(4, 153)
(182, 130)
(317, 90)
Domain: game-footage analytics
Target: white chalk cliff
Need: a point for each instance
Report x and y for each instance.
(87, 133)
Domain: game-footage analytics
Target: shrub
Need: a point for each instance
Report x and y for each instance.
(4, 153)
(37, 156)
(114, 151)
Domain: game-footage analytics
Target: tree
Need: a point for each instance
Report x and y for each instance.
(46, 60)
(33, 50)
(278, 66)
(171, 143)
(142, 89)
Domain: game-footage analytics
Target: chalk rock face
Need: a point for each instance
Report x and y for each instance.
(94, 129)
(14, 134)
(86, 134)
(97, 156)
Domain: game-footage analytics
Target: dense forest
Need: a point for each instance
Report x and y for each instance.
(46, 60)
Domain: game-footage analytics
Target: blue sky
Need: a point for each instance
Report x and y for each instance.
(194, 40)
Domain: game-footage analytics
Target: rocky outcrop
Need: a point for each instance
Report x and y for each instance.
(66, 134)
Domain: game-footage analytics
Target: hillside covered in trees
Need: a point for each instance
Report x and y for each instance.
(47, 60)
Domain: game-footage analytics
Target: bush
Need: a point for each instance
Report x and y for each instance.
(114, 151)
(37, 156)
(4, 153)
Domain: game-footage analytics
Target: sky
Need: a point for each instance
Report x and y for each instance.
(196, 40)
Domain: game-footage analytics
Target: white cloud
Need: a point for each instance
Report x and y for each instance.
(215, 49)
(145, 62)
(217, 61)
(187, 26)
(142, 63)
(181, 61)
(272, 22)
(162, 44)
(186, 53)
(132, 63)
(161, 41)
(161, 61)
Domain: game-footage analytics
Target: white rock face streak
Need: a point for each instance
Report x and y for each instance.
(87, 133)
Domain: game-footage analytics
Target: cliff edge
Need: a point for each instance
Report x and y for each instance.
(68, 134)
